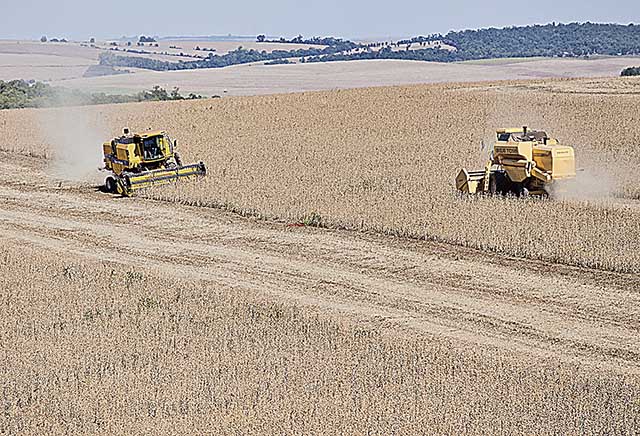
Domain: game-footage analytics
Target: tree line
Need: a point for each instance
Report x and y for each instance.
(574, 39)
(550, 40)
(234, 57)
(18, 94)
(631, 71)
(329, 41)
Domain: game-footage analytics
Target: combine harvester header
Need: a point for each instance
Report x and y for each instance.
(143, 160)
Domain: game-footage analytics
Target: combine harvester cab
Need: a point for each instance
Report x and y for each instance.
(521, 162)
(143, 160)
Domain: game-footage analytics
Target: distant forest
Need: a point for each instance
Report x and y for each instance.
(551, 40)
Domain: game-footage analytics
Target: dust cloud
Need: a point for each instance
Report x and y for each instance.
(598, 176)
(75, 135)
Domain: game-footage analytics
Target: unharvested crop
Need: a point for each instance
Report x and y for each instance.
(384, 159)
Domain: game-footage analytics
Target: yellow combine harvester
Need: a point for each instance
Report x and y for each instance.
(522, 162)
(138, 161)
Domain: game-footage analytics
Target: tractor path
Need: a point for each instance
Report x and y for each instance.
(403, 286)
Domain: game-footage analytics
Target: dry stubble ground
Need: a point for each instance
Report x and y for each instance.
(254, 79)
(96, 347)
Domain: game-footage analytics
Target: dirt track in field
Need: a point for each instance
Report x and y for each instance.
(403, 286)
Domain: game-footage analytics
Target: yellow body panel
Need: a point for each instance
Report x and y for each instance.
(127, 152)
(559, 160)
(513, 150)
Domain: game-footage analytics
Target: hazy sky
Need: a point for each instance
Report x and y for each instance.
(81, 19)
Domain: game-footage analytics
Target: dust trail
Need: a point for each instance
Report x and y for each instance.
(75, 135)
(599, 176)
(602, 174)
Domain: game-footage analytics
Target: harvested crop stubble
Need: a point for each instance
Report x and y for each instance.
(384, 159)
(95, 347)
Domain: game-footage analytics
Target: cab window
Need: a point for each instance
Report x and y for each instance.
(151, 148)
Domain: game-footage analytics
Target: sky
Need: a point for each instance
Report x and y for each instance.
(82, 19)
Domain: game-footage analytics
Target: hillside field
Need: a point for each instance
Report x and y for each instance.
(64, 64)
(258, 79)
(325, 277)
(56, 61)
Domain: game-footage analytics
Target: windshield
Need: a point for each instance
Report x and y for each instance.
(151, 148)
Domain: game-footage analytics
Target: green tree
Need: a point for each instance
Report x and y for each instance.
(631, 71)
(175, 94)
